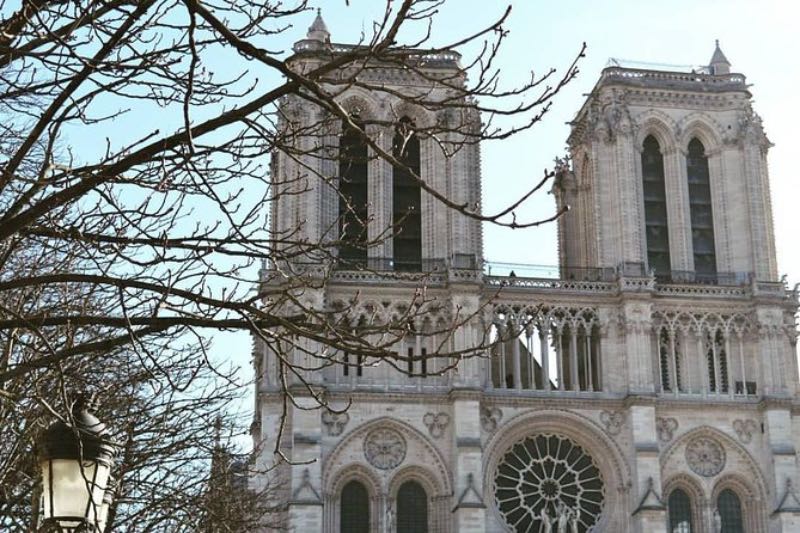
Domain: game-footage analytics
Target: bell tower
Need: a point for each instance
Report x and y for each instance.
(651, 387)
(359, 208)
(670, 176)
(334, 184)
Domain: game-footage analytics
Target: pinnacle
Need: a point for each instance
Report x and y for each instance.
(719, 63)
(318, 30)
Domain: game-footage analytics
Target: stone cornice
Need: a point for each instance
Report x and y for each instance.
(581, 401)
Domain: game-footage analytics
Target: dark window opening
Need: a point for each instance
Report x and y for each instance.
(354, 508)
(730, 512)
(750, 386)
(406, 200)
(680, 512)
(655, 206)
(353, 197)
(705, 259)
(412, 508)
(717, 370)
(663, 350)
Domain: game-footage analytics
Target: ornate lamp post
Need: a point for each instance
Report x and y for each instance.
(76, 465)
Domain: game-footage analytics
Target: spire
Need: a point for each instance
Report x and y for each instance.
(719, 63)
(318, 30)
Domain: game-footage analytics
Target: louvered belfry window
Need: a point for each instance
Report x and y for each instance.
(705, 259)
(655, 206)
(353, 198)
(406, 200)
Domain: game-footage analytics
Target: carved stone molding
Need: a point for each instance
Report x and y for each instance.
(384, 448)
(705, 456)
(745, 429)
(666, 428)
(335, 422)
(436, 423)
(305, 492)
(612, 421)
(490, 418)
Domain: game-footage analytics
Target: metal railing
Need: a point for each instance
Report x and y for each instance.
(390, 264)
(704, 278)
(496, 273)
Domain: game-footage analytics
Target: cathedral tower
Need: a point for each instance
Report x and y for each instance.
(670, 174)
(652, 387)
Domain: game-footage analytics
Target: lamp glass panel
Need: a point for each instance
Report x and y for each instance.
(72, 485)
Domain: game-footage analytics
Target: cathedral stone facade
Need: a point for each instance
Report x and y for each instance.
(652, 387)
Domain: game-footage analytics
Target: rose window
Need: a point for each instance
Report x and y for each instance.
(548, 480)
(384, 448)
(705, 456)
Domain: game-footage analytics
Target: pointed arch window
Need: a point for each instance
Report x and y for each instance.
(655, 207)
(353, 196)
(680, 512)
(354, 512)
(669, 349)
(412, 508)
(406, 199)
(705, 259)
(730, 512)
(717, 359)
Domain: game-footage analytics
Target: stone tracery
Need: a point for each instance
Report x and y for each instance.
(546, 479)
(705, 456)
(384, 448)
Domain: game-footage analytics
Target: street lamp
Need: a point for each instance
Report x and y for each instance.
(76, 464)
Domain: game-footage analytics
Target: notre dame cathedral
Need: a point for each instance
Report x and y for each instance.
(651, 387)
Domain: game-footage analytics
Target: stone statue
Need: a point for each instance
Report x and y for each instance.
(717, 522)
(575, 521)
(547, 523)
(563, 512)
(389, 526)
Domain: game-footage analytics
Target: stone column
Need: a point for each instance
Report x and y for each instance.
(768, 357)
(783, 454)
(678, 212)
(379, 186)
(638, 346)
(471, 372)
(271, 472)
(305, 501)
(607, 196)
(468, 509)
(436, 242)
(631, 208)
(650, 514)
(762, 241)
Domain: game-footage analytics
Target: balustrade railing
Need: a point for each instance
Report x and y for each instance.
(660, 76)
(462, 268)
(704, 278)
